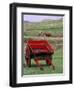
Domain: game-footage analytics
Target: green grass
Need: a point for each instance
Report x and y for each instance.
(55, 27)
(57, 61)
(53, 31)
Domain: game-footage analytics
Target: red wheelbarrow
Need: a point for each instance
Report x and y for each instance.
(39, 50)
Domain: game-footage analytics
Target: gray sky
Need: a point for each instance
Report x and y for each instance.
(37, 18)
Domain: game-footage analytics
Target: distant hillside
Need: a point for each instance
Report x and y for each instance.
(33, 28)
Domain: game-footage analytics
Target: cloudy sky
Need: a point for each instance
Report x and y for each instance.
(37, 18)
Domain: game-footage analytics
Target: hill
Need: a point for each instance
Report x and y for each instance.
(34, 28)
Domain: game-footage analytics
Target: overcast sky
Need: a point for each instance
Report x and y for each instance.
(37, 18)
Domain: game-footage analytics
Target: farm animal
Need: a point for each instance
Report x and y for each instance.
(47, 34)
(39, 50)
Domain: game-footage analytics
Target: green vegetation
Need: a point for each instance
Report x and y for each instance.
(57, 61)
(32, 30)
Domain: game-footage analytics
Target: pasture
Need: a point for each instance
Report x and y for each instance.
(31, 30)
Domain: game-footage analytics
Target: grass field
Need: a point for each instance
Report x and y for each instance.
(31, 30)
(57, 60)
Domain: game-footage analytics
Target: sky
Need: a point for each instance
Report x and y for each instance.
(38, 18)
